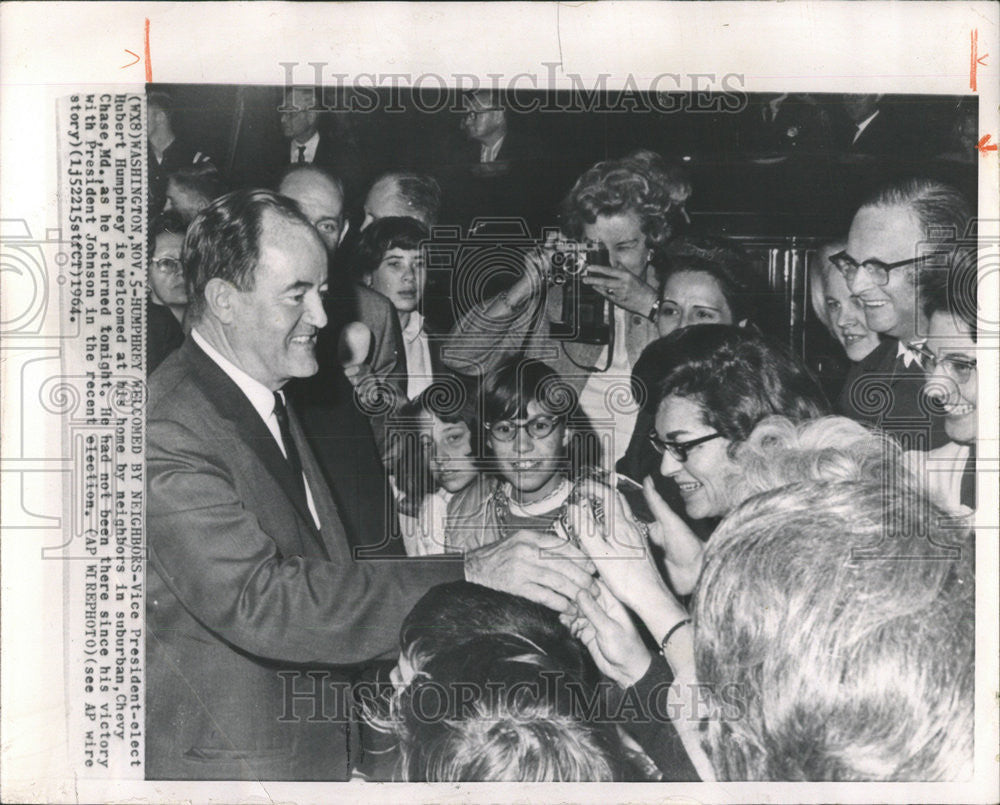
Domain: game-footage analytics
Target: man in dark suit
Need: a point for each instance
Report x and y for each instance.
(890, 254)
(252, 589)
(348, 442)
(499, 172)
(167, 152)
(871, 128)
(308, 145)
(782, 124)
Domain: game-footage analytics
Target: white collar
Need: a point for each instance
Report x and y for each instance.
(259, 395)
(864, 123)
(911, 352)
(414, 326)
(549, 503)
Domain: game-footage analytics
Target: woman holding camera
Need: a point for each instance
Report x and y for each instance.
(631, 207)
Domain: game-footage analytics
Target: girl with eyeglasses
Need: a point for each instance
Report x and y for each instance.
(536, 444)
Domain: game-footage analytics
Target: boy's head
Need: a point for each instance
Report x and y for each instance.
(451, 614)
(501, 708)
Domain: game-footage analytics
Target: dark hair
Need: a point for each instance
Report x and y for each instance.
(407, 457)
(458, 611)
(738, 377)
(223, 241)
(642, 183)
(203, 179)
(381, 236)
(167, 222)
(838, 618)
(315, 170)
(954, 289)
(723, 260)
(501, 708)
(162, 101)
(508, 389)
(421, 192)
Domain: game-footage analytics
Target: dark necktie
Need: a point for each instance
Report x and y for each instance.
(302, 155)
(291, 452)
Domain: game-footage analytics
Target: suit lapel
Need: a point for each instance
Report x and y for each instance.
(232, 404)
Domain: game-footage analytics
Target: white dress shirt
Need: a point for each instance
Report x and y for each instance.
(311, 145)
(864, 124)
(419, 372)
(488, 153)
(262, 400)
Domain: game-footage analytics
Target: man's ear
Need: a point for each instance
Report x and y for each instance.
(220, 299)
(367, 280)
(344, 231)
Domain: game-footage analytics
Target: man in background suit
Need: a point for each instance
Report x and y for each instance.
(308, 145)
(251, 582)
(347, 442)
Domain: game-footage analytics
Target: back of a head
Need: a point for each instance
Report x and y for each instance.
(739, 377)
(834, 634)
(202, 179)
(779, 452)
(499, 708)
(458, 611)
(420, 193)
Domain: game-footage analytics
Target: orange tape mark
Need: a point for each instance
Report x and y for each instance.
(149, 64)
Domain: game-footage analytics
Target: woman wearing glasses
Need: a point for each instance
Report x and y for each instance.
(537, 443)
(952, 385)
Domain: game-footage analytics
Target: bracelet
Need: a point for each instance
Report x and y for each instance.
(674, 628)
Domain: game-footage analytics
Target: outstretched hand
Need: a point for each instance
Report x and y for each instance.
(683, 552)
(541, 567)
(604, 626)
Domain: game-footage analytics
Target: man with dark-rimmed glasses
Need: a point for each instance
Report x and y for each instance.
(903, 234)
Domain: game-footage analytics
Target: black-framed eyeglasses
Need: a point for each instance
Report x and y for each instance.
(483, 111)
(877, 270)
(958, 369)
(168, 265)
(679, 450)
(537, 427)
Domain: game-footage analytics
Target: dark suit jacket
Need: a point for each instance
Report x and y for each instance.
(347, 440)
(881, 391)
(343, 159)
(242, 587)
(886, 135)
(163, 335)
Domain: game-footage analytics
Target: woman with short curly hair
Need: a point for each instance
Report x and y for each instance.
(630, 208)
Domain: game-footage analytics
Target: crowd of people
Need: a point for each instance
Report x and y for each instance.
(601, 523)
